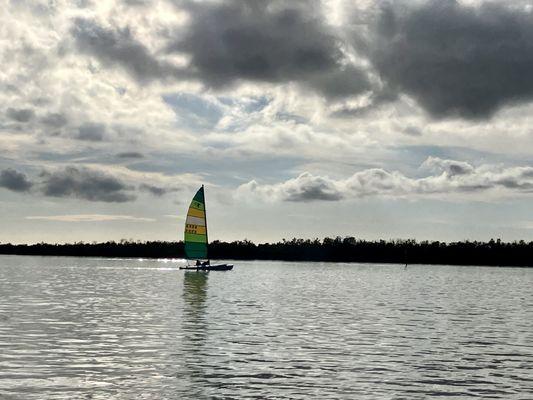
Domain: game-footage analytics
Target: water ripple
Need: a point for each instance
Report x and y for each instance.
(141, 329)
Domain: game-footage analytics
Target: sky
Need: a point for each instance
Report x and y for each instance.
(373, 119)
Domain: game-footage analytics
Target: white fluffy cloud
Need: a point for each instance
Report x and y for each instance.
(449, 177)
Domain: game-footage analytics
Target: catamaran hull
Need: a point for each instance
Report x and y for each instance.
(219, 267)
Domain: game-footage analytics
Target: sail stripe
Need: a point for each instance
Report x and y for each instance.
(199, 196)
(195, 250)
(196, 229)
(194, 221)
(194, 212)
(197, 205)
(191, 237)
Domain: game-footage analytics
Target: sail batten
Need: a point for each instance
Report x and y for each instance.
(196, 228)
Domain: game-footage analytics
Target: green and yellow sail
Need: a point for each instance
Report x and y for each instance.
(196, 228)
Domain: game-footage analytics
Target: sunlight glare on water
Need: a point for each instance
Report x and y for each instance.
(142, 329)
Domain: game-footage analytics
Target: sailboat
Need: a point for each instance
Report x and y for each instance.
(195, 239)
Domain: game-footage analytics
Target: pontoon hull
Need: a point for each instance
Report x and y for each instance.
(219, 267)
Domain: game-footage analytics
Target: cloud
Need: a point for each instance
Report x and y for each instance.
(54, 120)
(137, 2)
(450, 177)
(268, 41)
(14, 180)
(20, 114)
(130, 154)
(88, 218)
(341, 82)
(87, 184)
(305, 187)
(450, 167)
(412, 131)
(156, 190)
(455, 60)
(118, 47)
(91, 132)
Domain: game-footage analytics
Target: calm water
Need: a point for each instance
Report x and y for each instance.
(132, 329)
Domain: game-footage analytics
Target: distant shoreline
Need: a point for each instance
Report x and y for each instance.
(349, 249)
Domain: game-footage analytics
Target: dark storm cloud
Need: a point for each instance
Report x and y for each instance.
(14, 180)
(341, 82)
(20, 114)
(87, 184)
(270, 41)
(118, 47)
(456, 60)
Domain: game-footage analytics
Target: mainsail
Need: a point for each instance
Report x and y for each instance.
(196, 228)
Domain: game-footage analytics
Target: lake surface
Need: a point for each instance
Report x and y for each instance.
(73, 328)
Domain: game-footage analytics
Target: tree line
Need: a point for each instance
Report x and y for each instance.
(347, 249)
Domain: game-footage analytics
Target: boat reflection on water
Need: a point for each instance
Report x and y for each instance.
(194, 332)
(195, 295)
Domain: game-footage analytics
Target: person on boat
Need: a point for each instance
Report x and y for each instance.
(202, 263)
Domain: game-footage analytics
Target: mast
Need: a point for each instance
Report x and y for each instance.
(206, 237)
